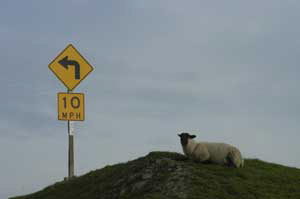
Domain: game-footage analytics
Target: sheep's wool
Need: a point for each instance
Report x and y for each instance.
(219, 153)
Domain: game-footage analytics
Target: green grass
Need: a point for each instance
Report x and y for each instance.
(164, 175)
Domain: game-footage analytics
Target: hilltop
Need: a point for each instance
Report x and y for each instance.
(165, 175)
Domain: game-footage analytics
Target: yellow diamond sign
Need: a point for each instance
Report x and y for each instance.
(70, 67)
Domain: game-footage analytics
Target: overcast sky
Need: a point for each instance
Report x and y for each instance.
(227, 71)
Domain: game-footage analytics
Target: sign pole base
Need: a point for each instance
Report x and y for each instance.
(71, 155)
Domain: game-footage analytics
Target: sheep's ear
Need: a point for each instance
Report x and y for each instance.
(179, 135)
(192, 136)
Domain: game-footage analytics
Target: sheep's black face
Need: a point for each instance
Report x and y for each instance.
(184, 137)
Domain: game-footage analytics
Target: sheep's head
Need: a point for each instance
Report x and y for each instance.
(184, 137)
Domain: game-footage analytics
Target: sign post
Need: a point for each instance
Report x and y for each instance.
(70, 67)
(71, 147)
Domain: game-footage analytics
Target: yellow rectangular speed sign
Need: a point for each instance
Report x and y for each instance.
(70, 106)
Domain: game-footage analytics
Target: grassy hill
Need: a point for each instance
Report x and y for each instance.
(164, 175)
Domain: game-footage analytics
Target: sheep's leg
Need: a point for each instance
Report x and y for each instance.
(204, 159)
(229, 161)
(234, 159)
(208, 161)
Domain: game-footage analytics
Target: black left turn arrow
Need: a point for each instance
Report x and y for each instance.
(65, 63)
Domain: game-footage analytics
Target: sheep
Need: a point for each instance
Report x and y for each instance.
(207, 152)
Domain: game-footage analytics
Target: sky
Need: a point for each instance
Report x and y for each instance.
(224, 71)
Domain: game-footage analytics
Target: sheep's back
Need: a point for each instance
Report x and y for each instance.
(218, 151)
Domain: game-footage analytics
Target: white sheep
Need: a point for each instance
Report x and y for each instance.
(219, 153)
